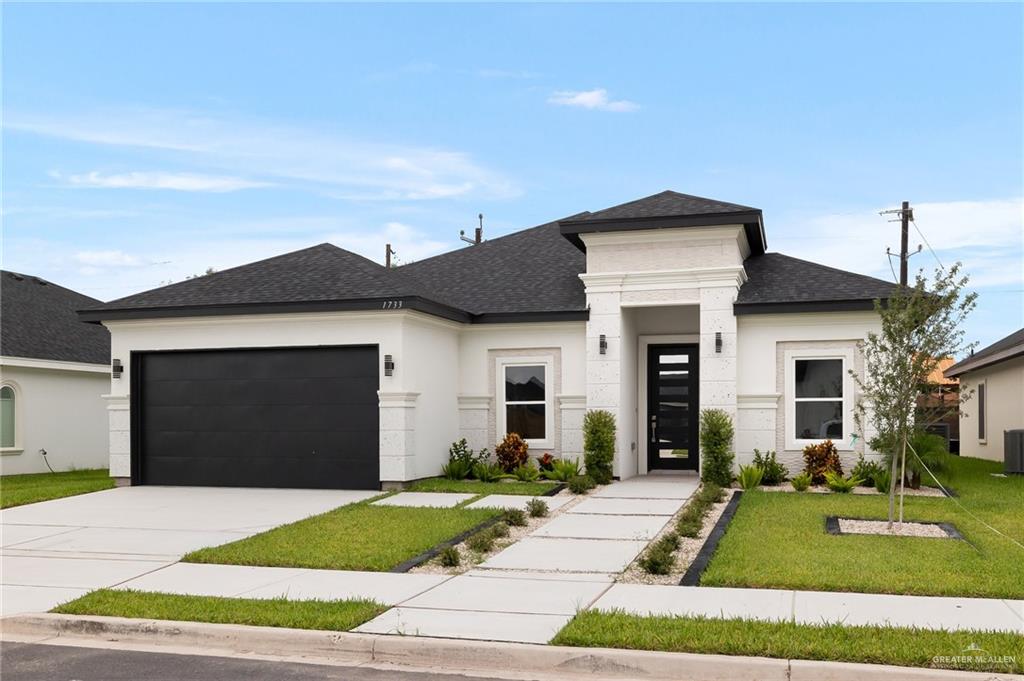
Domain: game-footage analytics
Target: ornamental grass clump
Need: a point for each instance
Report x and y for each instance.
(537, 508)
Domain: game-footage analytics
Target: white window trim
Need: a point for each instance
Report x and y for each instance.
(18, 447)
(791, 356)
(983, 411)
(548, 362)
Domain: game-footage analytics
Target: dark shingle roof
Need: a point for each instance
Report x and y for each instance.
(535, 270)
(775, 280)
(665, 204)
(38, 320)
(319, 274)
(1000, 351)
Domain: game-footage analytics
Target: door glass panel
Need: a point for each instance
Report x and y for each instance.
(675, 359)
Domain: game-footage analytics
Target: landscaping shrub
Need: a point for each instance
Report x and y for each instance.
(773, 471)
(482, 541)
(460, 451)
(599, 445)
(689, 527)
(581, 484)
(660, 556)
(866, 471)
(514, 517)
(563, 470)
(716, 433)
(526, 473)
(450, 557)
(691, 520)
(512, 452)
(456, 469)
(711, 493)
(545, 461)
(820, 459)
(882, 480)
(488, 472)
(930, 447)
(801, 482)
(499, 530)
(837, 483)
(750, 477)
(537, 508)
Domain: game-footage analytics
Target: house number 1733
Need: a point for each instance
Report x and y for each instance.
(392, 304)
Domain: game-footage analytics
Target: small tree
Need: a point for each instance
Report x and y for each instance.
(599, 445)
(716, 433)
(920, 326)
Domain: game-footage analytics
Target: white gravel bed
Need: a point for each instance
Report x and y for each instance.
(687, 552)
(866, 491)
(849, 526)
(470, 559)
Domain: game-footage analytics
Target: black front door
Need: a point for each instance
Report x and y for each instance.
(672, 407)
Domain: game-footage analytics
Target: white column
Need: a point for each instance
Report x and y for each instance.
(119, 416)
(397, 435)
(718, 369)
(604, 372)
(474, 414)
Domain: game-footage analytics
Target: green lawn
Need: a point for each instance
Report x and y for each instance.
(16, 490)
(354, 537)
(330, 615)
(778, 540)
(877, 645)
(477, 487)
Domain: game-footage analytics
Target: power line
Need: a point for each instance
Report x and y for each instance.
(921, 234)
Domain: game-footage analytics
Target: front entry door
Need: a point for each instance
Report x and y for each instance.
(672, 407)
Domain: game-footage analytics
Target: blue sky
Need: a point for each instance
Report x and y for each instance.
(144, 143)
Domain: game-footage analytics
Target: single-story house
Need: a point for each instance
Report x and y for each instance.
(996, 375)
(54, 373)
(320, 368)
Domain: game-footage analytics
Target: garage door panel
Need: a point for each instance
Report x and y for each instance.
(260, 418)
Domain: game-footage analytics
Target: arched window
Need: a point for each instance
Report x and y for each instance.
(7, 421)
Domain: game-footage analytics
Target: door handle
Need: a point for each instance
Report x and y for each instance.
(654, 427)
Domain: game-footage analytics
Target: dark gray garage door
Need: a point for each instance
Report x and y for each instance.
(295, 417)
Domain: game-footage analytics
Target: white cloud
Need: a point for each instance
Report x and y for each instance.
(268, 153)
(95, 262)
(987, 236)
(591, 99)
(185, 182)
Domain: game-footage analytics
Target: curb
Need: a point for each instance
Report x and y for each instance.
(449, 655)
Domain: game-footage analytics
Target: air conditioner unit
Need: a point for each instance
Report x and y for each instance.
(1013, 450)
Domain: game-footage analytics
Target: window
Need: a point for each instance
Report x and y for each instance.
(7, 421)
(819, 398)
(981, 411)
(524, 399)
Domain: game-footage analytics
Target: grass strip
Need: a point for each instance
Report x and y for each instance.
(1003, 652)
(354, 537)
(275, 612)
(777, 540)
(476, 487)
(17, 490)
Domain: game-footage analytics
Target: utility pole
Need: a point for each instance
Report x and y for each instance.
(906, 215)
(388, 252)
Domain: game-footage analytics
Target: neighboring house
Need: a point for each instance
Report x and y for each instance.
(996, 375)
(939, 409)
(54, 371)
(320, 368)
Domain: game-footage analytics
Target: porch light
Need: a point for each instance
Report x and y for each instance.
(603, 344)
(718, 342)
(116, 369)
(389, 365)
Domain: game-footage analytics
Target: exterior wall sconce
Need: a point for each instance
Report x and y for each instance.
(389, 365)
(116, 369)
(718, 342)
(602, 344)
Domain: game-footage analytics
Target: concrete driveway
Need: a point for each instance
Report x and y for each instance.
(55, 551)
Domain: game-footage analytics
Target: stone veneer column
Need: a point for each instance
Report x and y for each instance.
(604, 372)
(718, 369)
(119, 417)
(397, 435)
(474, 413)
(572, 409)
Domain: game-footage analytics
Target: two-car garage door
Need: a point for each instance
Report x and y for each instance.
(280, 417)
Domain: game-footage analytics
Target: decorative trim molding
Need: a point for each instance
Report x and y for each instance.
(660, 280)
(482, 402)
(758, 401)
(53, 364)
(397, 399)
(571, 401)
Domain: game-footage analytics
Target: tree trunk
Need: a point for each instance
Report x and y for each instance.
(903, 476)
(892, 488)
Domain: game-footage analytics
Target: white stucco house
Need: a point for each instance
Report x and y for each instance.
(995, 374)
(54, 373)
(320, 368)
